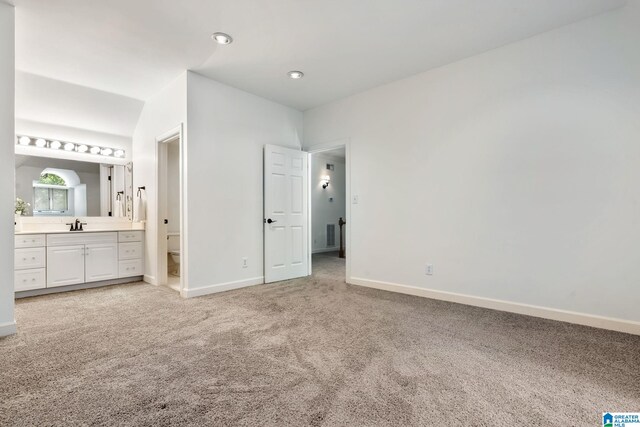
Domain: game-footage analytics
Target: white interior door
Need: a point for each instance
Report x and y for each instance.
(285, 214)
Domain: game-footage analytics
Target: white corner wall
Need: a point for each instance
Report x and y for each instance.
(228, 129)
(160, 114)
(324, 211)
(514, 172)
(7, 77)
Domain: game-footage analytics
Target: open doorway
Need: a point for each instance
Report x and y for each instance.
(328, 212)
(293, 187)
(170, 218)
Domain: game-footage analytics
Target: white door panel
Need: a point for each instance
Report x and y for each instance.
(285, 212)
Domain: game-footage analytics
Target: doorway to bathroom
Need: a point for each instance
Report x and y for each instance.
(170, 207)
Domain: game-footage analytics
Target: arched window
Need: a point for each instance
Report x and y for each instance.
(51, 179)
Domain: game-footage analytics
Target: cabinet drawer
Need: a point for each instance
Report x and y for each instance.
(25, 280)
(130, 268)
(29, 258)
(130, 250)
(130, 236)
(29, 241)
(81, 238)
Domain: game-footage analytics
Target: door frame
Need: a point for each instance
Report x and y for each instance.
(172, 135)
(317, 149)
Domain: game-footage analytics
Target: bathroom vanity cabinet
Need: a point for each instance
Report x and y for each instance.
(56, 260)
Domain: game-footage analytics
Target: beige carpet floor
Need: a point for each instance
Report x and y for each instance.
(312, 351)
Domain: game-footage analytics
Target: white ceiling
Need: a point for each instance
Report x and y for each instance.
(44, 100)
(336, 153)
(135, 47)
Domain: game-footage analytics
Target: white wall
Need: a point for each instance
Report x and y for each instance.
(514, 172)
(54, 109)
(173, 190)
(227, 131)
(160, 114)
(324, 211)
(7, 64)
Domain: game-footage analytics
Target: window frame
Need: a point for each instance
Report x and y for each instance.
(50, 211)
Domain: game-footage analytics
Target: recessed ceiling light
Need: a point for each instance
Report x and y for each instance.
(24, 140)
(55, 145)
(295, 74)
(222, 38)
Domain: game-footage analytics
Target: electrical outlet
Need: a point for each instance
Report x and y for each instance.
(245, 262)
(429, 270)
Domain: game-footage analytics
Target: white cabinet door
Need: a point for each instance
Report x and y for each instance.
(101, 262)
(65, 265)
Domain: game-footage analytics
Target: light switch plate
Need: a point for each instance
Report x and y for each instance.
(355, 200)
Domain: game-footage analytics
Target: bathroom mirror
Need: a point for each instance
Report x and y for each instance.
(61, 187)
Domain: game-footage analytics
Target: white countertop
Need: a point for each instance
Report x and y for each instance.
(97, 230)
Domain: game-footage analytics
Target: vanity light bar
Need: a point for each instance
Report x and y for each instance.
(53, 144)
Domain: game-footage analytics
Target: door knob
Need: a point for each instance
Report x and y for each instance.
(269, 221)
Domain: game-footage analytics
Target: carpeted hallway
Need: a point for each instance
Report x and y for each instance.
(312, 351)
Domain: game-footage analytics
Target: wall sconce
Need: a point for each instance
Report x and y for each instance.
(326, 179)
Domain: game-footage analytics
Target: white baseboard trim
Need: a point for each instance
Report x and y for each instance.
(8, 328)
(221, 287)
(319, 251)
(150, 279)
(620, 325)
